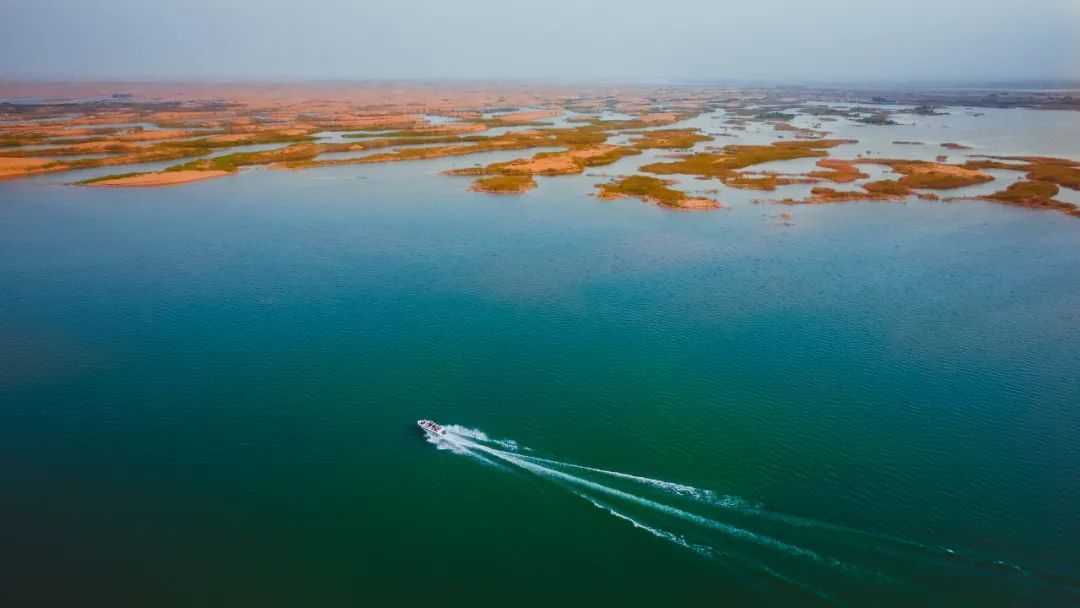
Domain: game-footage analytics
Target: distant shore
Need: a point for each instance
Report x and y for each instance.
(106, 135)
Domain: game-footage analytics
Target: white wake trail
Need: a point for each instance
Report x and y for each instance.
(709, 551)
(669, 536)
(744, 507)
(698, 494)
(463, 440)
(444, 442)
(733, 531)
(733, 503)
(478, 435)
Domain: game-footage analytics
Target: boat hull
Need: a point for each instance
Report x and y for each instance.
(431, 428)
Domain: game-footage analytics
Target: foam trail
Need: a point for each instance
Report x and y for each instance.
(742, 506)
(446, 442)
(462, 431)
(733, 503)
(479, 435)
(739, 505)
(675, 538)
(708, 551)
(733, 531)
(699, 494)
(844, 534)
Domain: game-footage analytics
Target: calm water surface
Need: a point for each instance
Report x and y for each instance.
(208, 393)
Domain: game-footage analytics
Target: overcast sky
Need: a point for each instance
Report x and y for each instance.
(568, 40)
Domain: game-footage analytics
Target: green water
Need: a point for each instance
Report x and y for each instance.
(209, 396)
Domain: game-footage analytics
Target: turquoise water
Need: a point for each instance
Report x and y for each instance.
(209, 396)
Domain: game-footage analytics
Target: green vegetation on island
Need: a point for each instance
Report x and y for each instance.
(655, 190)
(504, 184)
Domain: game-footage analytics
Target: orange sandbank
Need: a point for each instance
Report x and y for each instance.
(159, 178)
(19, 167)
(527, 116)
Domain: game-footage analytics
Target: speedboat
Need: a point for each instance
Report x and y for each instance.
(431, 427)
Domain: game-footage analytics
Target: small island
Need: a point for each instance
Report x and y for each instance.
(504, 184)
(152, 178)
(655, 190)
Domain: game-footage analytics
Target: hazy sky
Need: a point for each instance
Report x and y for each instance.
(805, 40)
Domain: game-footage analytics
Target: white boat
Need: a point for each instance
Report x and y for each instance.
(431, 427)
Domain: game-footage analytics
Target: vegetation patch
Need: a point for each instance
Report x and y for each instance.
(763, 181)
(232, 140)
(109, 178)
(519, 117)
(451, 129)
(669, 139)
(154, 178)
(839, 171)
(15, 142)
(995, 164)
(1034, 195)
(879, 119)
(504, 184)
(569, 162)
(820, 196)
(724, 165)
(1060, 173)
(749, 182)
(232, 162)
(11, 168)
(774, 115)
(934, 176)
(655, 190)
(887, 187)
(926, 110)
(70, 141)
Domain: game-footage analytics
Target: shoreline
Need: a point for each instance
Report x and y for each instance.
(154, 179)
(197, 138)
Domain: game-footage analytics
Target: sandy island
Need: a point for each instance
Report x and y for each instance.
(19, 167)
(528, 116)
(157, 178)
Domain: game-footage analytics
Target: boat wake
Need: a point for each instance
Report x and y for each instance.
(745, 536)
